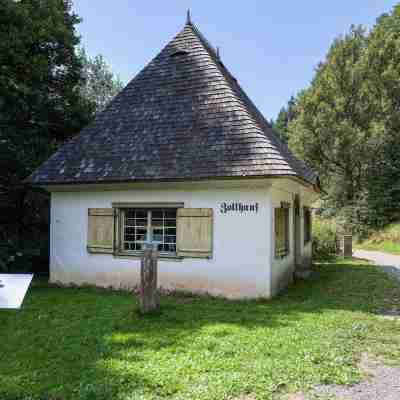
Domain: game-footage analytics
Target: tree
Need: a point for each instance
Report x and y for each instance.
(101, 85)
(381, 63)
(286, 114)
(331, 128)
(348, 122)
(40, 105)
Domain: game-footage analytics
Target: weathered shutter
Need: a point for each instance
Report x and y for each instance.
(100, 230)
(279, 232)
(194, 232)
(286, 233)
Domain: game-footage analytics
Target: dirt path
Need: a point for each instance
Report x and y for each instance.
(389, 262)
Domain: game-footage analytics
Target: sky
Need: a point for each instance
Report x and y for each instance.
(271, 47)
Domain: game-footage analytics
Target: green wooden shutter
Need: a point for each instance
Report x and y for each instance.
(194, 232)
(100, 237)
(279, 232)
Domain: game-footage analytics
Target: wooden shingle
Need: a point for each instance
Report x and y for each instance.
(183, 117)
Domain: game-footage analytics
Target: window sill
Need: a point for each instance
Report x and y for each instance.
(163, 257)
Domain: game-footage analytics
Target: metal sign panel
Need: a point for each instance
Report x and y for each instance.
(13, 288)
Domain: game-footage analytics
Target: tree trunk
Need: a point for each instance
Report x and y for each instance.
(149, 301)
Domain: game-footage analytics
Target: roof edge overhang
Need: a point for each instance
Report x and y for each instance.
(62, 186)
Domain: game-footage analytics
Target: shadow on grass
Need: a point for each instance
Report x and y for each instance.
(89, 343)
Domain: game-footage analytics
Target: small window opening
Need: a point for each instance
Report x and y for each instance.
(178, 53)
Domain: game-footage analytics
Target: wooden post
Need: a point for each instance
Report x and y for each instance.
(149, 301)
(347, 246)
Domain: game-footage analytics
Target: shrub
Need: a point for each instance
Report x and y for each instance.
(386, 239)
(324, 238)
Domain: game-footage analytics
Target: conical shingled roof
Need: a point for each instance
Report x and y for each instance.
(183, 117)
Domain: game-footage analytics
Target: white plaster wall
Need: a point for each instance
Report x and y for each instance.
(240, 266)
(282, 270)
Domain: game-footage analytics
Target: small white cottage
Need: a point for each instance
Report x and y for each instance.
(183, 158)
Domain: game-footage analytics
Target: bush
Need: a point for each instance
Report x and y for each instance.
(386, 239)
(324, 238)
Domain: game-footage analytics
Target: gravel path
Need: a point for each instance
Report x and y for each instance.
(389, 262)
(382, 383)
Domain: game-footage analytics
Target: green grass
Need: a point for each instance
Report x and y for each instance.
(386, 247)
(86, 343)
(386, 240)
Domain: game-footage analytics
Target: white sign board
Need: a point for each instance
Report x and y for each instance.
(13, 288)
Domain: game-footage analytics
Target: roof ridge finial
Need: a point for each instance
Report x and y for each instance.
(188, 18)
(218, 55)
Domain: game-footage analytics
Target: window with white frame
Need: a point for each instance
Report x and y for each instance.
(282, 244)
(140, 225)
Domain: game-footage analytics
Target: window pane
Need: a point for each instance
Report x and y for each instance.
(170, 239)
(156, 214)
(129, 213)
(172, 248)
(170, 214)
(141, 214)
(129, 230)
(157, 238)
(136, 229)
(158, 234)
(140, 222)
(160, 247)
(128, 246)
(140, 238)
(167, 248)
(170, 231)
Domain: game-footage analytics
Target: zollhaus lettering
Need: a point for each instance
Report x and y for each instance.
(238, 207)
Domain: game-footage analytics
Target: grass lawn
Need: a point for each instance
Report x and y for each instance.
(384, 246)
(386, 240)
(86, 343)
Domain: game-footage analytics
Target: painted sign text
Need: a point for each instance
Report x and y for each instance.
(228, 207)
